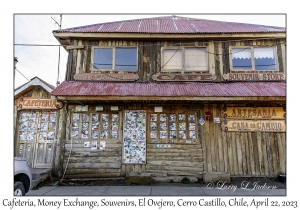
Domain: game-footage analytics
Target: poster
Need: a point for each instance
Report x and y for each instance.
(86, 144)
(134, 145)
(102, 145)
(94, 145)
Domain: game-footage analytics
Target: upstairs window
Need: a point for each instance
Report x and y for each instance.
(114, 59)
(184, 59)
(258, 59)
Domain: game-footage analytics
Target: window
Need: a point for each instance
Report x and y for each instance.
(114, 59)
(185, 59)
(173, 127)
(37, 126)
(95, 126)
(253, 59)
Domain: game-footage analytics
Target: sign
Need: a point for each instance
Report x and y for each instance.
(38, 103)
(106, 77)
(254, 126)
(254, 113)
(80, 108)
(184, 77)
(254, 76)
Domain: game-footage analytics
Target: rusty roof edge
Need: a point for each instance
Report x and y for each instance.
(167, 17)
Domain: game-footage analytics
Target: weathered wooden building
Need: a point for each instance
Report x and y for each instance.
(37, 118)
(173, 97)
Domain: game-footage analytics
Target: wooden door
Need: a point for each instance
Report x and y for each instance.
(36, 137)
(45, 140)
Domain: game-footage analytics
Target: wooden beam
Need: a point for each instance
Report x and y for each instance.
(74, 47)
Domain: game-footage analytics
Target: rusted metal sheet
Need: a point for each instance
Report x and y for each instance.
(254, 113)
(106, 77)
(184, 77)
(254, 76)
(38, 103)
(263, 89)
(172, 24)
(254, 125)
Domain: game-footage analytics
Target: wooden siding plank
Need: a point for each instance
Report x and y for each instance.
(244, 153)
(208, 143)
(234, 153)
(239, 152)
(251, 154)
(269, 154)
(275, 153)
(260, 169)
(255, 154)
(212, 143)
(225, 152)
(283, 139)
(218, 142)
(230, 153)
(265, 155)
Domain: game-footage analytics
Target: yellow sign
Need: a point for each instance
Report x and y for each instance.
(254, 126)
(254, 113)
(38, 103)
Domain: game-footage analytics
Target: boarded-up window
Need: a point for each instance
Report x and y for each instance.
(173, 128)
(95, 126)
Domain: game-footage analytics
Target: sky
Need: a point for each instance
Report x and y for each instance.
(42, 61)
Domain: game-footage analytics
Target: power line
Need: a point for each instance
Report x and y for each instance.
(22, 74)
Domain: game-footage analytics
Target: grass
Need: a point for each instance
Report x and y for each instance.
(185, 180)
(46, 182)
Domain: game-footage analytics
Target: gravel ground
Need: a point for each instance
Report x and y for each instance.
(239, 182)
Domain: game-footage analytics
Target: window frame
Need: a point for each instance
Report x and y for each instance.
(182, 48)
(252, 58)
(93, 69)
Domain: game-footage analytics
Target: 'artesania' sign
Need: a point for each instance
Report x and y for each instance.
(38, 103)
(254, 77)
(254, 126)
(254, 113)
(184, 77)
(106, 77)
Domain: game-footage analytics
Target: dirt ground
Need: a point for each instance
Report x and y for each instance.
(240, 182)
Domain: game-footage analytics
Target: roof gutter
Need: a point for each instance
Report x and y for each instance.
(164, 98)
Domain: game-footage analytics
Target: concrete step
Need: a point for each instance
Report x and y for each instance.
(39, 175)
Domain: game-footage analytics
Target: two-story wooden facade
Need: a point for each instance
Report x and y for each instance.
(174, 97)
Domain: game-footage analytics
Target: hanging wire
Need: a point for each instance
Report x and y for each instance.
(22, 74)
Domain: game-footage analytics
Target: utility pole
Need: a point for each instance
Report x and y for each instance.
(57, 81)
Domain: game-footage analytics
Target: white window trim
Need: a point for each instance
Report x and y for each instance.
(252, 58)
(182, 70)
(93, 69)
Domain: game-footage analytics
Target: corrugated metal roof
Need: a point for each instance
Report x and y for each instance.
(243, 89)
(172, 24)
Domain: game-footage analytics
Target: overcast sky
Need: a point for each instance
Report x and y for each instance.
(42, 61)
